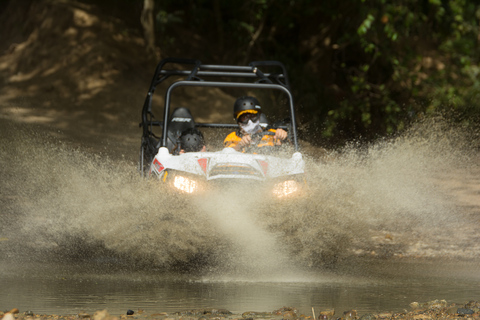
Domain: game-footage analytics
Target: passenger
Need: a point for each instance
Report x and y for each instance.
(247, 112)
(191, 140)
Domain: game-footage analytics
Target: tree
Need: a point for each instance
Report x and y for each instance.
(149, 28)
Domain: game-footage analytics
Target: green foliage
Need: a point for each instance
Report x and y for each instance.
(418, 58)
(358, 68)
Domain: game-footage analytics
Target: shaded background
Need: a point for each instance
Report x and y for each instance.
(359, 70)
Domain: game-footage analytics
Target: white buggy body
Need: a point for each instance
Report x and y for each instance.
(228, 164)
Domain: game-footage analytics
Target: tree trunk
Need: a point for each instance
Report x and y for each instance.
(149, 28)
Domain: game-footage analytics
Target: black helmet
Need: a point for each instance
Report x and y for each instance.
(245, 103)
(191, 140)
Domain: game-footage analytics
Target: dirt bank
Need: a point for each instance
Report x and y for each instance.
(437, 309)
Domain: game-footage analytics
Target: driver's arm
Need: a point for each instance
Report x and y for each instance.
(234, 141)
(245, 142)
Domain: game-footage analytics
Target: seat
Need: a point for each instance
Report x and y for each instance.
(181, 119)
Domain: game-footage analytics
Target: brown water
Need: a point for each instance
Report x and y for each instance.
(382, 226)
(69, 289)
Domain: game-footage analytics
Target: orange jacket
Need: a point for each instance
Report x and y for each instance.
(235, 137)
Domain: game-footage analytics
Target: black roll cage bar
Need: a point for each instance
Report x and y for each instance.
(196, 75)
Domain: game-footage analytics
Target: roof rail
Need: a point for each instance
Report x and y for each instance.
(191, 72)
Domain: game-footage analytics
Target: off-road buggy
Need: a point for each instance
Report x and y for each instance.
(196, 172)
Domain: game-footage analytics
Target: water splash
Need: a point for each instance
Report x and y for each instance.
(384, 200)
(387, 199)
(250, 252)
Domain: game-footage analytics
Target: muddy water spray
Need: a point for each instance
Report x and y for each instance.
(251, 252)
(383, 200)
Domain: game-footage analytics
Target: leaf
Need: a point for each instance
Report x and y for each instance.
(366, 25)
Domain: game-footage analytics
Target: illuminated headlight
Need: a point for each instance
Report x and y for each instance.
(285, 188)
(185, 184)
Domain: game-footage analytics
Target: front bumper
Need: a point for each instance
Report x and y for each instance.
(278, 188)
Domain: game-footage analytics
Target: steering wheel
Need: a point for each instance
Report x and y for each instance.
(256, 139)
(260, 135)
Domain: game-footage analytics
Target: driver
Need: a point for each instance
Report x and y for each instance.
(247, 111)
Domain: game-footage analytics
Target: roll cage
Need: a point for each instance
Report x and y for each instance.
(194, 73)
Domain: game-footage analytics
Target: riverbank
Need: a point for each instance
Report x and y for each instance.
(436, 309)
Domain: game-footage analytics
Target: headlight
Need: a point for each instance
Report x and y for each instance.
(185, 184)
(285, 188)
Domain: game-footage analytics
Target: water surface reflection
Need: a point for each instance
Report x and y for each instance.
(371, 286)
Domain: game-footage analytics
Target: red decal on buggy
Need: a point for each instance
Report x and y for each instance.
(158, 165)
(264, 165)
(203, 163)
